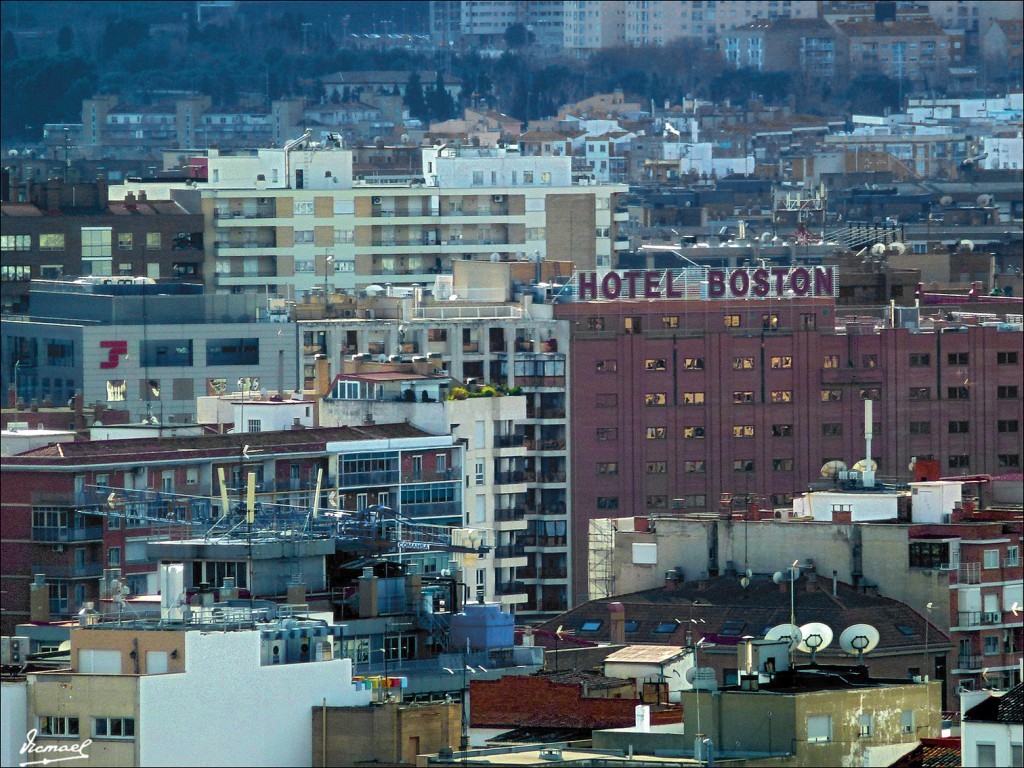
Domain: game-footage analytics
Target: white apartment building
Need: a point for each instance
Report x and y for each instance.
(520, 442)
(286, 222)
(650, 22)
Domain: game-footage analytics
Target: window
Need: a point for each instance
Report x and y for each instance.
(870, 393)
(16, 242)
(959, 427)
(595, 323)
(992, 646)
(920, 393)
(15, 273)
(986, 756)
(607, 502)
(591, 626)
(743, 430)
(117, 391)
(991, 558)
(441, 463)
(165, 353)
(695, 501)
(1012, 557)
(693, 398)
(152, 241)
(1008, 425)
(782, 362)
(607, 434)
(632, 325)
(58, 727)
(830, 361)
(869, 361)
(656, 433)
(114, 556)
(124, 241)
(607, 366)
(743, 397)
(694, 467)
(654, 364)
(113, 727)
(233, 351)
(654, 398)
(959, 461)
(693, 363)
(666, 628)
(1002, 358)
(907, 721)
(631, 627)
(657, 502)
(303, 208)
(957, 393)
(1006, 392)
(743, 363)
(782, 430)
(657, 467)
(782, 465)
(831, 395)
(52, 242)
(607, 467)
(920, 360)
(743, 465)
(769, 322)
(478, 473)
(670, 321)
(864, 730)
(303, 236)
(732, 321)
(834, 429)
(819, 729)
(957, 358)
(782, 395)
(693, 433)
(96, 242)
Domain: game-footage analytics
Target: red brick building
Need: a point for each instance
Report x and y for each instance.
(677, 402)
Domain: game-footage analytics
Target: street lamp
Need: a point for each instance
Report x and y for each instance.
(928, 608)
(699, 603)
(794, 571)
(699, 743)
(464, 741)
(328, 270)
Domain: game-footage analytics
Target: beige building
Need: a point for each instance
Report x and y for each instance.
(291, 221)
(913, 50)
(657, 23)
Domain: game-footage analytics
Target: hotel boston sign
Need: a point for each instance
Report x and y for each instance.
(748, 283)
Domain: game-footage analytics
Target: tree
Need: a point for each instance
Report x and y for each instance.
(414, 96)
(65, 39)
(439, 103)
(518, 36)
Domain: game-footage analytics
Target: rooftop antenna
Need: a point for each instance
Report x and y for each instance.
(859, 639)
(868, 475)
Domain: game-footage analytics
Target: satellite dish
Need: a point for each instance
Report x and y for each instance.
(691, 675)
(745, 582)
(777, 577)
(816, 637)
(945, 200)
(912, 464)
(858, 640)
(878, 249)
(983, 200)
(788, 632)
(749, 573)
(64, 646)
(898, 248)
(861, 466)
(766, 237)
(832, 468)
(966, 245)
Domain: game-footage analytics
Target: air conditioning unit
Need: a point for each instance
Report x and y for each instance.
(498, 198)
(58, 547)
(13, 650)
(347, 313)
(376, 201)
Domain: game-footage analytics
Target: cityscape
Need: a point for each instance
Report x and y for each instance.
(512, 383)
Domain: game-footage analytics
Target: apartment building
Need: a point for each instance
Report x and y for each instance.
(657, 23)
(60, 520)
(678, 402)
(591, 26)
(523, 349)
(918, 51)
(773, 46)
(291, 221)
(63, 230)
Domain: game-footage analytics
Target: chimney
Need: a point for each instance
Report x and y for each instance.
(227, 590)
(617, 618)
(142, 196)
(12, 396)
(129, 200)
(296, 590)
(368, 587)
(754, 511)
(528, 637)
(39, 600)
(322, 375)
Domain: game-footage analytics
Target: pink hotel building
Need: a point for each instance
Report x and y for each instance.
(678, 401)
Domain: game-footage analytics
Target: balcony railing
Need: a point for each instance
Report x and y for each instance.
(551, 477)
(509, 478)
(382, 477)
(64, 535)
(969, 573)
(66, 571)
(509, 441)
(969, 661)
(507, 514)
(551, 413)
(553, 573)
(1011, 562)
(510, 550)
(432, 509)
(509, 588)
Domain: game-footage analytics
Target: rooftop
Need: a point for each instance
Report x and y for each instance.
(1008, 708)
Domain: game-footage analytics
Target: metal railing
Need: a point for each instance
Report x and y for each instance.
(509, 478)
(510, 550)
(64, 535)
(69, 571)
(969, 661)
(506, 514)
(509, 441)
(509, 588)
(969, 573)
(382, 477)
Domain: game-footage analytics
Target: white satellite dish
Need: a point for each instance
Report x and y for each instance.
(912, 464)
(789, 632)
(983, 200)
(748, 573)
(966, 245)
(858, 640)
(745, 582)
(945, 200)
(832, 468)
(816, 637)
(861, 465)
(766, 237)
(898, 248)
(777, 577)
(878, 249)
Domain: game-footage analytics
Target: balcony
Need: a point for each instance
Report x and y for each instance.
(969, 662)
(509, 588)
(508, 514)
(510, 550)
(50, 535)
(433, 509)
(551, 477)
(558, 444)
(551, 413)
(66, 571)
(509, 478)
(509, 441)
(1011, 562)
(553, 573)
(355, 479)
(969, 573)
